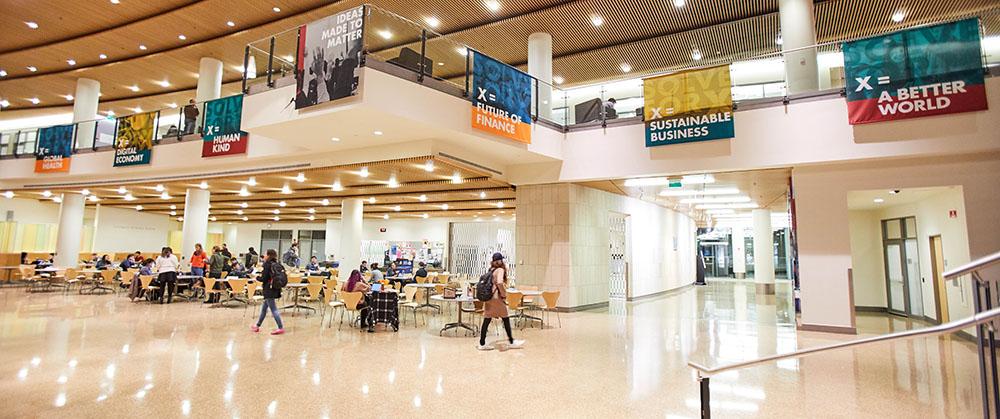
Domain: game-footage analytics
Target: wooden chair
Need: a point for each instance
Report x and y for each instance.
(514, 304)
(74, 278)
(529, 302)
(421, 279)
(58, 279)
(31, 280)
(237, 288)
(252, 296)
(351, 301)
(334, 273)
(107, 281)
(314, 292)
(478, 307)
(438, 288)
(551, 298)
(145, 284)
(443, 277)
(330, 300)
(412, 302)
(210, 288)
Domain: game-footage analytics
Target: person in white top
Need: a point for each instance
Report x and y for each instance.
(166, 266)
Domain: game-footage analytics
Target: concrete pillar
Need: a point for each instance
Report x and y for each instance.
(195, 228)
(70, 231)
(540, 67)
(331, 233)
(739, 251)
(85, 102)
(798, 30)
(209, 79)
(763, 252)
(351, 219)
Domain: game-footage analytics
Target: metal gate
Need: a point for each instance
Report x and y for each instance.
(618, 263)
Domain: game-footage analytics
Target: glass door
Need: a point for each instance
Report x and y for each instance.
(902, 267)
(894, 275)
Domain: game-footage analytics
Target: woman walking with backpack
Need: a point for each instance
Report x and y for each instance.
(496, 306)
(272, 292)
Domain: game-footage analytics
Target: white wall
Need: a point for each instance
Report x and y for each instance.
(125, 230)
(866, 258)
(30, 211)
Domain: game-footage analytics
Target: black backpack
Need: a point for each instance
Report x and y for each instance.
(484, 288)
(279, 279)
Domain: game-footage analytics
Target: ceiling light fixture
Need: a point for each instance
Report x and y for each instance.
(596, 20)
(311, 210)
(3, 73)
(103, 56)
(252, 181)
(133, 88)
(122, 190)
(159, 188)
(363, 172)
(203, 185)
(230, 23)
(337, 186)
(482, 195)
(286, 190)
(85, 192)
(57, 199)
(276, 211)
(878, 200)
(173, 207)
(246, 218)
(463, 51)
(277, 218)
(68, 97)
(244, 191)
(282, 204)
(172, 105)
(239, 212)
(182, 37)
(301, 177)
(625, 67)
(212, 218)
(115, 1)
(493, 5)
(4, 103)
(385, 34)
(46, 193)
(93, 198)
(385, 216)
(164, 195)
(424, 215)
(129, 197)
(444, 207)
(335, 139)
(397, 208)
(456, 178)
(422, 198)
(244, 205)
(71, 62)
(678, 3)
(748, 205)
(558, 79)
(142, 47)
(429, 166)
(393, 183)
(32, 68)
(325, 202)
(377, 133)
(432, 21)
(697, 192)
(312, 218)
(31, 25)
(898, 16)
(499, 204)
(696, 54)
(8, 194)
(276, 9)
(697, 179)
(137, 109)
(138, 207)
(716, 200)
(371, 200)
(779, 40)
(34, 100)
(163, 83)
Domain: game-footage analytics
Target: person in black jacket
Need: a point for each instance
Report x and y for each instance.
(271, 293)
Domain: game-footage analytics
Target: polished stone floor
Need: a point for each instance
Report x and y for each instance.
(102, 356)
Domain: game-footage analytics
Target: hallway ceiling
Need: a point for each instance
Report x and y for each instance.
(420, 191)
(648, 35)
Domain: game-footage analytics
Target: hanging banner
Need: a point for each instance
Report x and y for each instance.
(329, 57)
(55, 149)
(501, 99)
(915, 73)
(134, 139)
(689, 106)
(222, 128)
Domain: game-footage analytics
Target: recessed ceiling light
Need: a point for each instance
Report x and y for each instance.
(8, 194)
(122, 190)
(898, 16)
(138, 207)
(57, 199)
(678, 3)
(397, 208)
(31, 25)
(779, 40)
(596, 20)
(696, 54)
(230, 23)
(142, 47)
(212, 218)
(456, 178)
(277, 218)
(137, 109)
(385, 216)
(499, 204)
(133, 88)
(312, 218)
(363, 172)
(311, 210)
(301, 177)
(46, 193)
(878, 200)
(244, 191)
(244, 205)
(335, 139)
(422, 198)
(493, 5)
(246, 218)
(377, 132)
(432, 21)
(463, 51)
(129, 197)
(203, 185)
(164, 83)
(182, 37)
(325, 202)
(159, 188)
(440, 63)
(444, 207)
(93, 198)
(103, 56)
(385, 34)
(482, 195)
(32, 68)
(4, 103)
(282, 204)
(337, 186)
(625, 67)
(85, 192)
(429, 166)
(286, 190)
(3, 73)
(371, 200)
(172, 105)
(276, 211)
(252, 181)
(424, 215)
(558, 80)
(68, 97)
(34, 100)
(239, 212)
(393, 183)
(115, 1)
(71, 61)
(276, 9)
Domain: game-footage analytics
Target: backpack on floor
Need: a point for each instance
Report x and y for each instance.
(484, 288)
(279, 279)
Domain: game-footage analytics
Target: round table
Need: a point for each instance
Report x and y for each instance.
(295, 301)
(526, 293)
(459, 323)
(427, 303)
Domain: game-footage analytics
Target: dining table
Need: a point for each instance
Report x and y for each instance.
(526, 293)
(427, 295)
(298, 286)
(458, 324)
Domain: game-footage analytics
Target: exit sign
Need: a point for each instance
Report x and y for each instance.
(674, 183)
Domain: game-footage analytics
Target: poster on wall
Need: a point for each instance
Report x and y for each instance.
(329, 57)
(690, 106)
(55, 149)
(501, 99)
(919, 72)
(223, 135)
(134, 139)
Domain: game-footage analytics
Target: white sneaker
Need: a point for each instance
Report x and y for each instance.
(484, 347)
(518, 344)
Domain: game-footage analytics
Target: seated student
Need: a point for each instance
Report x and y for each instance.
(237, 270)
(127, 263)
(313, 264)
(422, 271)
(103, 263)
(391, 270)
(94, 258)
(364, 266)
(357, 284)
(376, 273)
(135, 289)
(43, 262)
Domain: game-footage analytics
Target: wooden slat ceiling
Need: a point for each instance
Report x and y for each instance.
(649, 35)
(315, 198)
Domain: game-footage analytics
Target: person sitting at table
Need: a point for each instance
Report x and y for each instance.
(391, 270)
(364, 266)
(135, 289)
(357, 284)
(422, 271)
(94, 258)
(376, 273)
(313, 264)
(237, 270)
(291, 257)
(103, 263)
(127, 263)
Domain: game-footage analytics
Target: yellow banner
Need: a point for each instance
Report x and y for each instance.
(689, 92)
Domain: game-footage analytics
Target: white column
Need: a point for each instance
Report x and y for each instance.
(70, 231)
(739, 251)
(85, 102)
(97, 225)
(798, 30)
(351, 219)
(331, 234)
(229, 238)
(195, 229)
(209, 79)
(540, 67)
(763, 251)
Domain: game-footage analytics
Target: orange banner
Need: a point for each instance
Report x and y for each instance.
(504, 127)
(52, 164)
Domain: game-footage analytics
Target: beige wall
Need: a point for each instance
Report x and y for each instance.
(822, 214)
(866, 258)
(126, 230)
(562, 243)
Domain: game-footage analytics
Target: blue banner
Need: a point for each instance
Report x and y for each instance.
(55, 149)
(501, 99)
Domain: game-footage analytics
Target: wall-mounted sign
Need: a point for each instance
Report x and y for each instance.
(689, 106)
(223, 135)
(329, 58)
(914, 73)
(134, 139)
(501, 99)
(55, 149)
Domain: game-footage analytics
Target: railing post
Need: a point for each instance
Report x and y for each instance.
(156, 129)
(423, 55)
(980, 335)
(534, 117)
(76, 132)
(17, 141)
(706, 408)
(270, 63)
(246, 62)
(468, 67)
(93, 142)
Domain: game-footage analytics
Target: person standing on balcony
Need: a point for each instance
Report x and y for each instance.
(190, 116)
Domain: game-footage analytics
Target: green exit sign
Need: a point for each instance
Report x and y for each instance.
(674, 184)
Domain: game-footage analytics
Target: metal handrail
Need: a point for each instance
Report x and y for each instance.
(972, 267)
(945, 328)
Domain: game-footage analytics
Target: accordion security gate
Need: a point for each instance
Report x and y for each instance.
(472, 245)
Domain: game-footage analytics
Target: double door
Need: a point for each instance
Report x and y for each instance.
(902, 267)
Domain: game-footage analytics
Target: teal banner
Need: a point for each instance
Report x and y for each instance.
(223, 135)
(687, 129)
